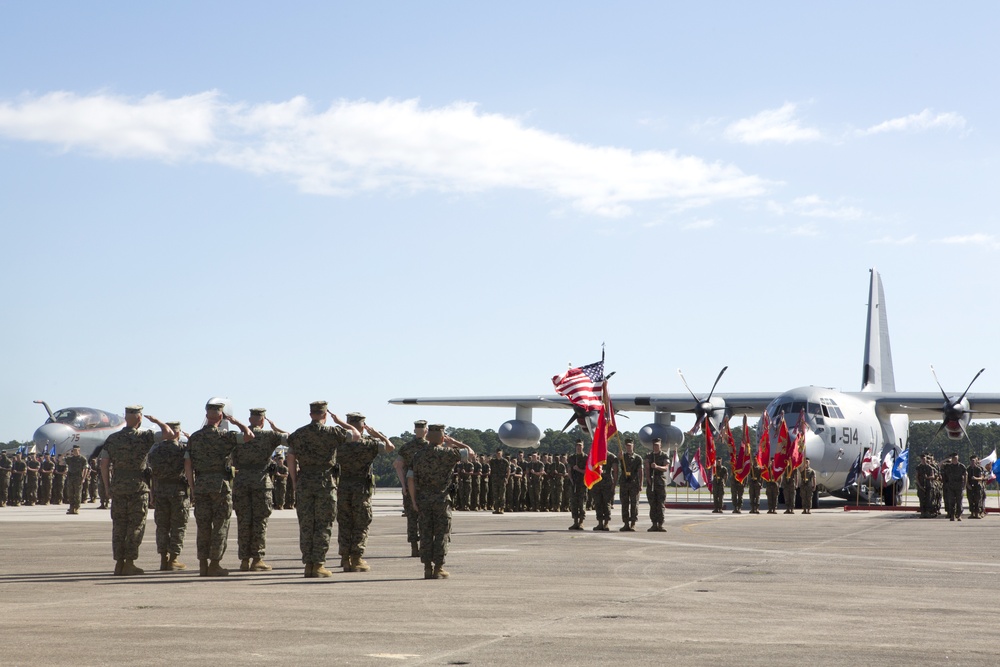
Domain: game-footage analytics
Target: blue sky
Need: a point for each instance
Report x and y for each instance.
(356, 202)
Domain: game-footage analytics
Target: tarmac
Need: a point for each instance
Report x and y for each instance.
(831, 588)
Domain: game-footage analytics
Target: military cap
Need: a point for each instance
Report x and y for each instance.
(355, 417)
(953, 454)
(215, 406)
(257, 412)
(73, 447)
(579, 441)
(629, 440)
(133, 410)
(436, 427)
(318, 406)
(174, 425)
(420, 423)
(659, 440)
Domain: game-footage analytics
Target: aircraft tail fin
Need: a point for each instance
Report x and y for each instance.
(877, 371)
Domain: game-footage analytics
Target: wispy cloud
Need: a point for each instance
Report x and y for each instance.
(919, 122)
(988, 241)
(356, 145)
(893, 240)
(698, 224)
(772, 125)
(813, 206)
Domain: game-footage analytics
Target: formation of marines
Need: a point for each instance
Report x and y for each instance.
(33, 479)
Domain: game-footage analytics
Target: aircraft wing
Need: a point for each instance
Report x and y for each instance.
(749, 403)
(927, 405)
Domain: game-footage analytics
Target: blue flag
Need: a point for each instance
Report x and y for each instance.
(688, 477)
(852, 475)
(996, 468)
(902, 461)
(53, 452)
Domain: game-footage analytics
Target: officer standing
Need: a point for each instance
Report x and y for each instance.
(5, 467)
(754, 484)
(127, 451)
(807, 486)
(45, 470)
(402, 465)
(354, 492)
(58, 481)
(428, 485)
(252, 489)
(312, 455)
(31, 479)
(630, 484)
(788, 490)
(578, 501)
(17, 469)
(170, 498)
(499, 474)
(720, 475)
(604, 492)
(206, 466)
(657, 465)
(76, 467)
(953, 481)
(975, 489)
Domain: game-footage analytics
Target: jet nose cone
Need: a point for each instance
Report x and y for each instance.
(48, 435)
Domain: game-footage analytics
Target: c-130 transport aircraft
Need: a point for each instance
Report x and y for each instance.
(840, 426)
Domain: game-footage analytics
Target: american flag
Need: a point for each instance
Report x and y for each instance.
(583, 386)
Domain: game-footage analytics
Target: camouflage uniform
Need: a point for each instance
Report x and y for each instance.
(953, 479)
(736, 493)
(280, 481)
(578, 501)
(126, 450)
(315, 449)
(58, 482)
(465, 471)
(31, 481)
(431, 476)
(754, 483)
(807, 485)
(209, 449)
(535, 472)
(630, 483)
(556, 485)
(354, 494)
(406, 453)
(499, 473)
(771, 489)
(76, 468)
(788, 490)
(484, 485)
(170, 496)
(46, 470)
(975, 490)
(252, 491)
(477, 476)
(924, 491)
(17, 469)
(604, 492)
(5, 467)
(93, 482)
(656, 486)
(720, 475)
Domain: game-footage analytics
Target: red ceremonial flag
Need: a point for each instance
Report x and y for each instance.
(798, 454)
(598, 455)
(781, 455)
(610, 411)
(709, 449)
(741, 468)
(764, 449)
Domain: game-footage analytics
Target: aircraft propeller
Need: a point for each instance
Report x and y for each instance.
(956, 412)
(704, 406)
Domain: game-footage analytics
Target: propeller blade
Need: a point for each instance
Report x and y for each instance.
(697, 400)
(962, 398)
(724, 369)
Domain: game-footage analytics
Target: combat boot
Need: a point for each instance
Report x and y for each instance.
(440, 572)
(414, 549)
(320, 571)
(245, 565)
(202, 567)
(216, 570)
(258, 565)
(309, 571)
(345, 562)
(359, 564)
(129, 569)
(118, 566)
(658, 528)
(174, 564)
(164, 563)
(428, 571)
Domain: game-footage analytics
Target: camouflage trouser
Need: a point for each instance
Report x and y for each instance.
(543, 495)
(567, 494)
(128, 524)
(656, 495)
(4, 487)
(55, 497)
(253, 507)
(772, 496)
(807, 497)
(412, 522)
(464, 493)
(578, 501)
(974, 494)
(555, 495)
(953, 501)
(498, 492)
(16, 485)
(102, 491)
(45, 490)
(316, 507)
(92, 486)
(289, 495)
(628, 494)
(788, 490)
(736, 495)
(171, 513)
(74, 484)
(278, 494)
(535, 493)
(718, 496)
(484, 493)
(30, 489)
(754, 496)
(474, 496)
(435, 529)
(212, 512)
(604, 499)
(354, 516)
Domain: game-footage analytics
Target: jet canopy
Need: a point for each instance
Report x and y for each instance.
(84, 419)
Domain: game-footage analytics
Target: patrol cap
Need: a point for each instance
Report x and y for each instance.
(436, 427)
(420, 423)
(629, 441)
(953, 454)
(257, 412)
(579, 441)
(176, 426)
(318, 407)
(75, 447)
(133, 410)
(214, 406)
(659, 440)
(355, 417)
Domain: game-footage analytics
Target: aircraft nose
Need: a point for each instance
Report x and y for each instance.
(47, 435)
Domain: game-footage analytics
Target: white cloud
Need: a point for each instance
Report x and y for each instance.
(892, 240)
(778, 125)
(813, 206)
(698, 224)
(356, 146)
(988, 241)
(919, 122)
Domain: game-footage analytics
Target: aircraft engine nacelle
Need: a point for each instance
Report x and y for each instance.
(668, 433)
(956, 428)
(519, 434)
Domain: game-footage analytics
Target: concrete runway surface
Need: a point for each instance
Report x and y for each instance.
(833, 588)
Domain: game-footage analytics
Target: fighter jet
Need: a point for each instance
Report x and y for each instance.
(840, 427)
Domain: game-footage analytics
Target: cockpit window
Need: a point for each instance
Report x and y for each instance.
(85, 418)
